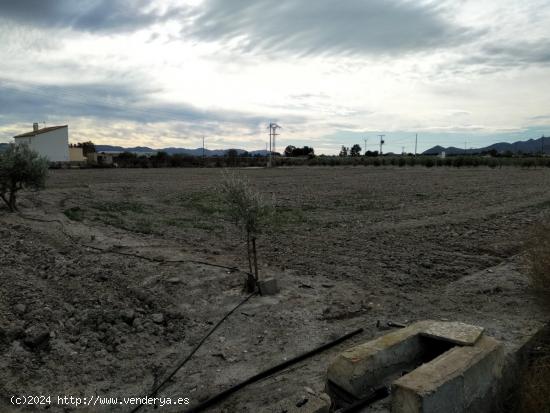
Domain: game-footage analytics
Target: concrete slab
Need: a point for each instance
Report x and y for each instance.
(368, 365)
(464, 379)
(454, 332)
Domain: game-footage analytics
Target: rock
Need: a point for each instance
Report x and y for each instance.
(37, 336)
(174, 280)
(128, 315)
(309, 390)
(20, 309)
(15, 332)
(158, 318)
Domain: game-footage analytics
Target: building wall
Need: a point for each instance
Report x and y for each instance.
(54, 145)
(76, 154)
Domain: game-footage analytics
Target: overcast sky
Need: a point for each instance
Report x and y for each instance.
(330, 72)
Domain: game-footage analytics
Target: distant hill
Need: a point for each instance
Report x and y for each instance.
(531, 146)
(193, 152)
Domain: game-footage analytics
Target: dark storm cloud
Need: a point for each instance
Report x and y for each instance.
(86, 15)
(325, 26)
(106, 102)
(515, 54)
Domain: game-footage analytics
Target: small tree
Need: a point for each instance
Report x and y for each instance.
(87, 147)
(355, 150)
(247, 210)
(343, 151)
(20, 167)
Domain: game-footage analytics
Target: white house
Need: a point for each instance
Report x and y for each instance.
(51, 142)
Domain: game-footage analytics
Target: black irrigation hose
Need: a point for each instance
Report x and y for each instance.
(195, 349)
(377, 394)
(266, 373)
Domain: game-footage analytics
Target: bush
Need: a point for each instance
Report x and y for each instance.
(20, 168)
(538, 253)
(248, 211)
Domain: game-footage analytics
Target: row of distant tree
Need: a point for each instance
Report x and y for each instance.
(292, 151)
(355, 150)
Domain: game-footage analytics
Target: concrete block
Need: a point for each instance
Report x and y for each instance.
(454, 332)
(269, 286)
(461, 379)
(363, 367)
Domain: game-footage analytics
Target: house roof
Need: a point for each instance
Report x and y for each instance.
(40, 131)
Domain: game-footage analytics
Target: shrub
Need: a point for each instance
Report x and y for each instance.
(248, 211)
(535, 387)
(20, 168)
(538, 253)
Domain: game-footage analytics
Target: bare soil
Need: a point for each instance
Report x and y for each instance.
(108, 278)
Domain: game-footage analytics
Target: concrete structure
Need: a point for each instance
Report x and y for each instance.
(464, 379)
(76, 154)
(431, 366)
(101, 158)
(51, 142)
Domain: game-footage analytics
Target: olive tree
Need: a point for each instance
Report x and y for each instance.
(20, 168)
(248, 211)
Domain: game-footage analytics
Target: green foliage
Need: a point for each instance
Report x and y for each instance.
(20, 168)
(74, 213)
(247, 209)
(121, 207)
(355, 150)
(344, 151)
(207, 203)
(244, 205)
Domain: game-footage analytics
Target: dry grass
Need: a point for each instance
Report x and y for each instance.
(535, 390)
(538, 253)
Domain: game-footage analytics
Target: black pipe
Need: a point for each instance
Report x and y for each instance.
(377, 394)
(195, 349)
(266, 373)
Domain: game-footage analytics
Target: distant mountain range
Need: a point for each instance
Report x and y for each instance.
(171, 151)
(531, 146)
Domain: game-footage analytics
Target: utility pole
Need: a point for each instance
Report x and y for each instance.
(272, 136)
(381, 143)
(365, 148)
(203, 158)
(402, 150)
(415, 144)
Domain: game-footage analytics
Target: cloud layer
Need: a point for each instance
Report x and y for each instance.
(325, 26)
(162, 71)
(88, 15)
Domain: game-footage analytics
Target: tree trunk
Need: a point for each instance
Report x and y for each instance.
(250, 282)
(248, 254)
(13, 192)
(6, 201)
(12, 201)
(256, 276)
